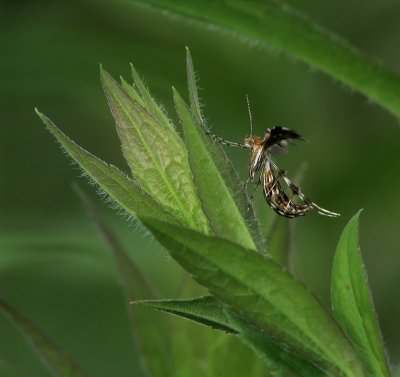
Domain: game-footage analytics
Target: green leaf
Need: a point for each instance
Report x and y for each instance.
(271, 23)
(150, 104)
(210, 312)
(222, 212)
(199, 144)
(194, 101)
(146, 327)
(156, 155)
(260, 292)
(396, 372)
(56, 360)
(280, 359)
(204, 310)
(123, 190)
(352, 302)
(131, 92)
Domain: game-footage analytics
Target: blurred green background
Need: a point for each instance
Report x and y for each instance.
(53, 264)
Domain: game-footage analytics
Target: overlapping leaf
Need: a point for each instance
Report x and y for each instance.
(278, 359)
(220, 189)
(260, 292)
(156, 155)
(218, 203)
(122, 189)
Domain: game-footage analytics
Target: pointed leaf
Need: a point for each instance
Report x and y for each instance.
(210, 312)
(56, 360)
(123, 190)
(352, 302)
(204, 310)
(131, 91)
(195, 107)
(260, 292)
(156, 155)
(218, 203)
(198, 140)
(146, 327)
(149, 103)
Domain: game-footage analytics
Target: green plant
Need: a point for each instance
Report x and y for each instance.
(188, 195)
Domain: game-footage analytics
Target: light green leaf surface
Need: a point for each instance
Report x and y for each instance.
(131, 92)
(272, 23)
(201, 145)
(260, 292)
(352, 302)
(146, 327)
(123, 190)
(156, 155)
(56, 360)
(149, 102)
(225, 218)
(204, 310)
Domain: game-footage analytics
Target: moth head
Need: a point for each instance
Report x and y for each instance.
(251, 141)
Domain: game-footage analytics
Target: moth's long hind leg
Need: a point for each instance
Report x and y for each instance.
(296, 191)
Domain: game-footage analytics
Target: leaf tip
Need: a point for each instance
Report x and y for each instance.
(356, 217)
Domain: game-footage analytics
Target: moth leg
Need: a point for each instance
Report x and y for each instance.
(246, 183)
(288, 205)
(297, 192)
(254, 191)
(225, 142)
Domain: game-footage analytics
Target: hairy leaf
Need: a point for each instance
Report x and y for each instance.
(217, 169)
(218, 203)
(352, 302)
(156, 155)
(123, 190)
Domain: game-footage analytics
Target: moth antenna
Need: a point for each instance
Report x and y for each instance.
(250, 116)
